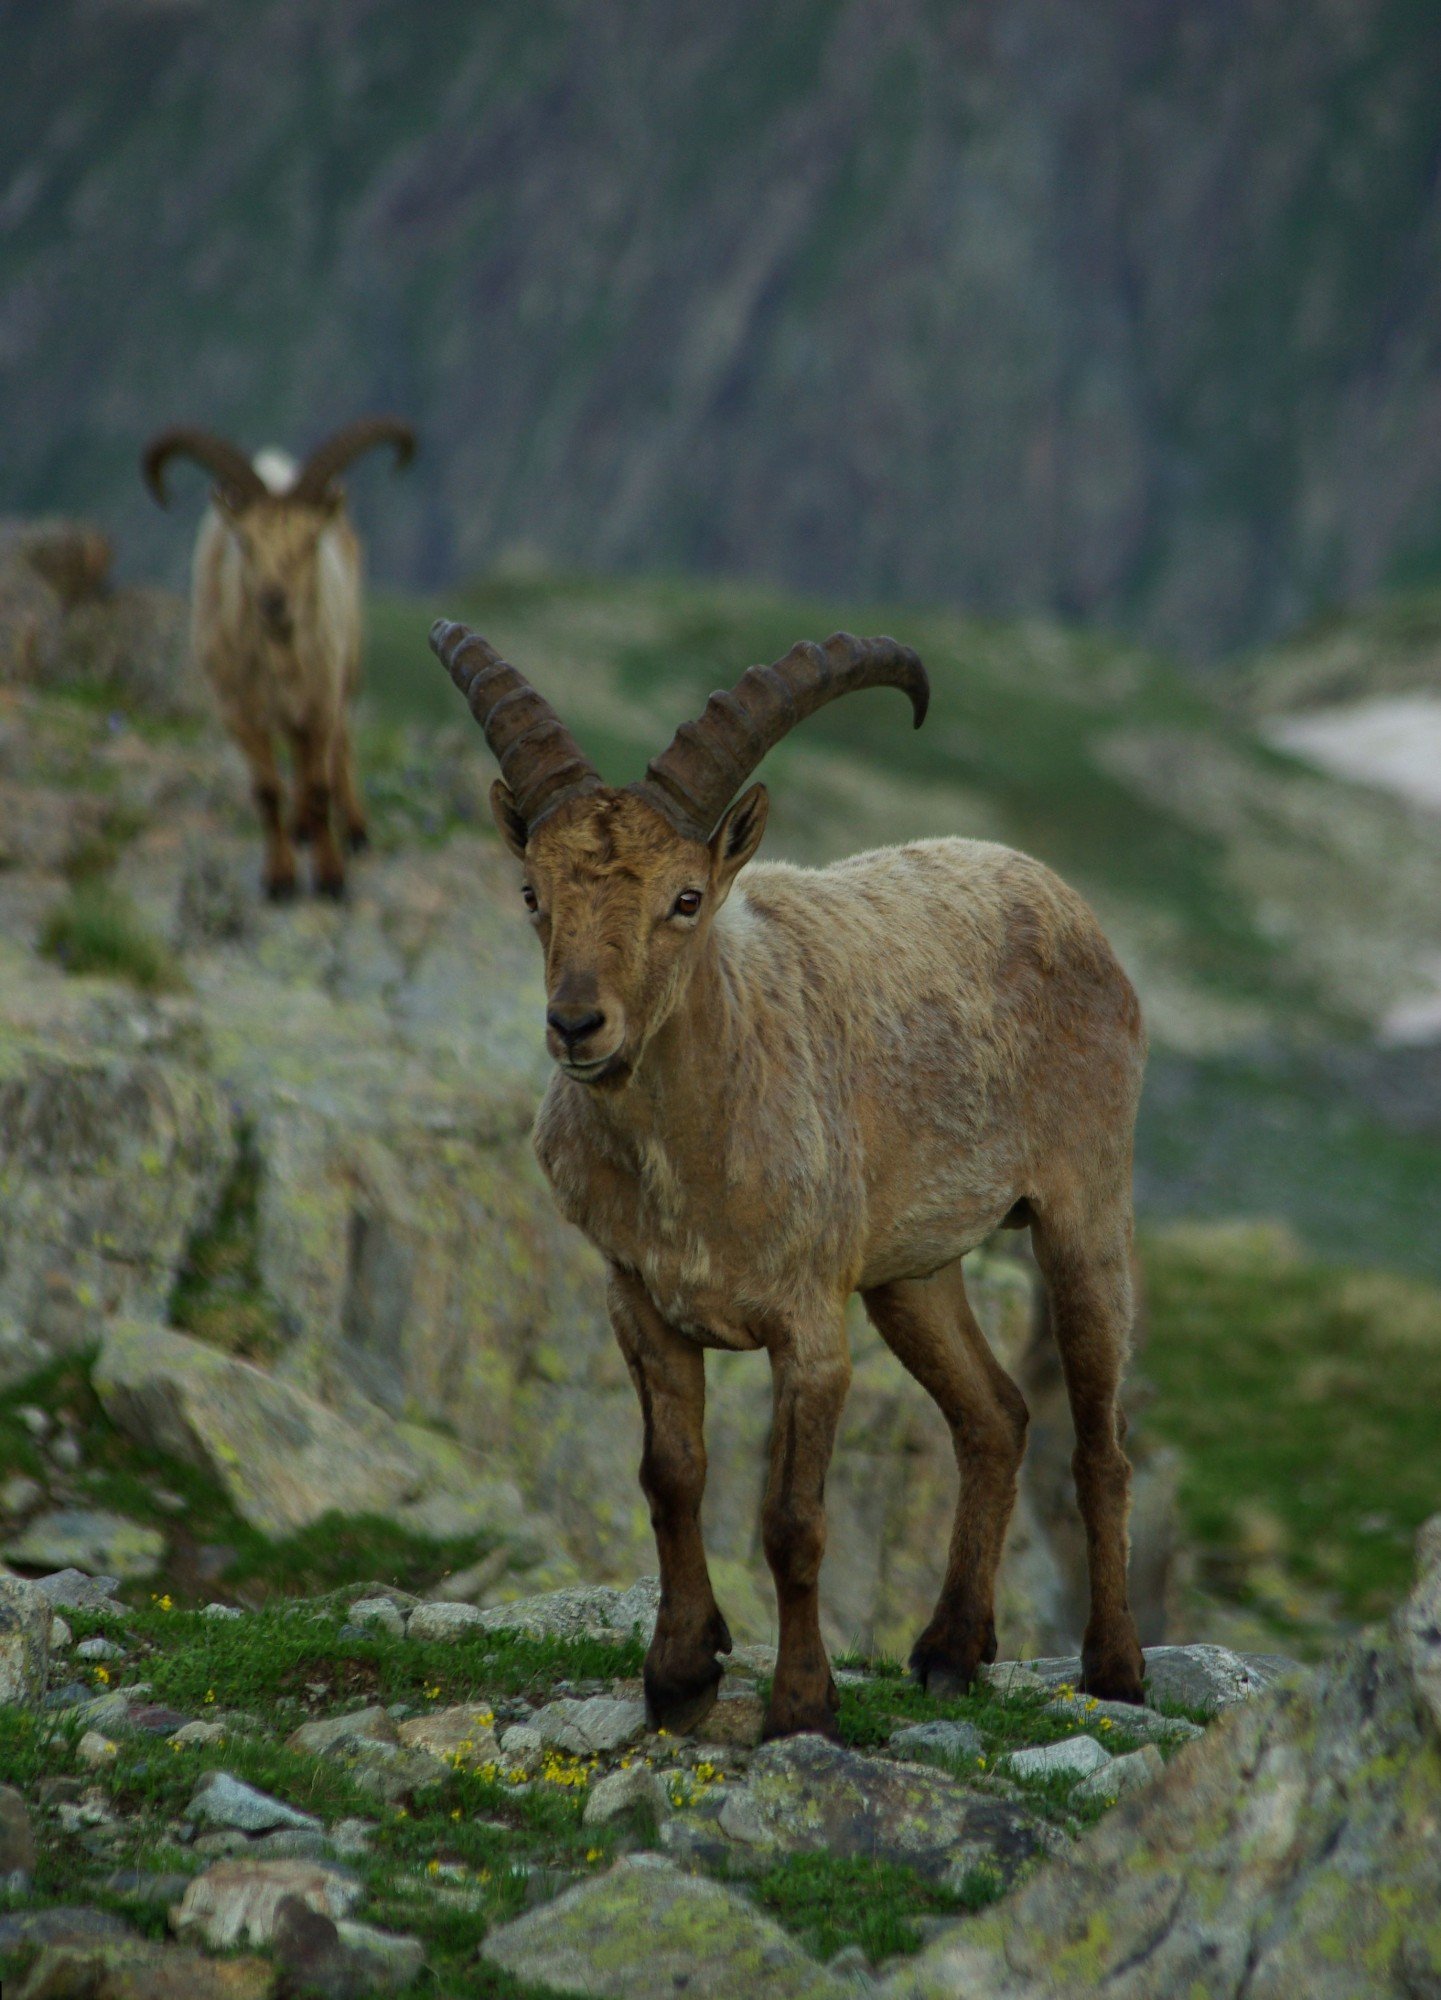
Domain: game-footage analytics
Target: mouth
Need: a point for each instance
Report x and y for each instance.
(601, 1070)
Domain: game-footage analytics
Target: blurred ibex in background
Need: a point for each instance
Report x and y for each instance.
(276, 627)
(771, 1094)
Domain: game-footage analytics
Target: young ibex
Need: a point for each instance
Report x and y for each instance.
(275, 625)
(773, 1094)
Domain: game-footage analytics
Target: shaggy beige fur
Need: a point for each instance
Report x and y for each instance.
(823, 1082)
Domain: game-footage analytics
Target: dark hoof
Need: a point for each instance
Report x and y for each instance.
(944, 1661)
(357, 839)
(944, 1682)
(1114, 1673)
(332, 886)
(802, 1714)
(680, 1705)
(300, 833)
(281, 889)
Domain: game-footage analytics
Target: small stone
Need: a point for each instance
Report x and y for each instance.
(151, 1718)
(24, 1641)
(237, 1901)
(99, 1649)
(931, 1742)
(378, 1611)
(65, 1451)
(351, 1838)
(35, 1420)
(19, 1493)
(591, 1728)
(521, 1743)
(1077, 1757)
(444, 1621)
(735, 1723)
(73, 1590)
(1146, 1723)
(387, 1961)
(580, 1611)
(17, 1841)
(463, 1736)
(1010, 1677)
(199, 1733)
(372, 1725)
(223, 1800)
(61, 1636)
(135, 1970)
(144, 1885)
(63, 1923)
(623, 1794)
(221, 1611)
(1123, 1774)
(96, 1750)
(90, 1539)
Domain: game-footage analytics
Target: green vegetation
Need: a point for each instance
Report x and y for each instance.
(219, 1295)
(1304, 1397)
(96, 928)
(212, 1551)
(473, 1835)
(830, 1903)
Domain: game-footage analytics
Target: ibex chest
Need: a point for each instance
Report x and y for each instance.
(705, 1273)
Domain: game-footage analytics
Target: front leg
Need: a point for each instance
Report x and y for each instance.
(811, 1372)
(682, 1673)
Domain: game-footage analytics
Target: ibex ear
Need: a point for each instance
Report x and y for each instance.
(507, 817)
(738, 836)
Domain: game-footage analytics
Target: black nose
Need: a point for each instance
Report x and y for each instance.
(573, 1024)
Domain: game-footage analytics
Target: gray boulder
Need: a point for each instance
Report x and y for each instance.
(25, 1616)
(646, 1932)
(89, 1538)
(1292, 1850)
(283, 1458)
(805, 1795)
(1208, 1678)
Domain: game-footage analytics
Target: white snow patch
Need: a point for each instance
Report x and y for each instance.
(1393, 742)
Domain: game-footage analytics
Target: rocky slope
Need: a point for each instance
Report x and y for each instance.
(354, 1795)
(1124, 311)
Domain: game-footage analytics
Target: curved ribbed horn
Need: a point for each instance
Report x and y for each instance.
(539, 759)
(229, 464)
(694, 780)
(328, 460)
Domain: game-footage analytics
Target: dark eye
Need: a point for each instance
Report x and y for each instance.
(687, 903)
(529, 895)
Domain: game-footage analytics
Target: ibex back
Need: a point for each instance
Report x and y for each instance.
(775, 1091)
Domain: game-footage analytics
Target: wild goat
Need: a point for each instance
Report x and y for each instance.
(771, 1094)
(275, 625)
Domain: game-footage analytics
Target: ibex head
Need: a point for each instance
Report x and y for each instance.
(623, 885)
(277, 531)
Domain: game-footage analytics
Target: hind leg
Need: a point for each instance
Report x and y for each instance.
(929, 1326)
(1085, 1258)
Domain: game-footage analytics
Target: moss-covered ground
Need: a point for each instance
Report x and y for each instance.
(462, 1850)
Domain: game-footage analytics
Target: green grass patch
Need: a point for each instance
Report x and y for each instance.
(213, 1551)
(1304, 1397)
(829, 1903)
(97, 929)
(270, 1660)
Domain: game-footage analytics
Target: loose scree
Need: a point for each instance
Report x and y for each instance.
(775, 1086)
(275, 625)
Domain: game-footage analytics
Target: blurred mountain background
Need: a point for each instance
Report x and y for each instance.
(1128, 312)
